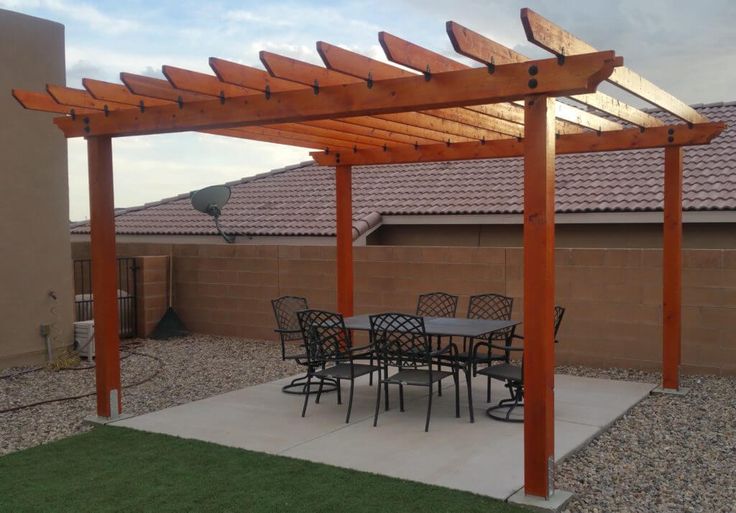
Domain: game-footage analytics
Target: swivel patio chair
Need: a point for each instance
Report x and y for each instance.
(290, 334)
(401, 341)
(513, 375)
(437, 304)
(330, 354)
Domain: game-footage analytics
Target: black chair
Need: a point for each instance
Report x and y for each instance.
(287, 326)
(513, 375)
(437, 304)
(494, 307)
(401, 341)
(330, 354)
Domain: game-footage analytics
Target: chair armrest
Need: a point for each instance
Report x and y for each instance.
(506, 348)
(450, 348)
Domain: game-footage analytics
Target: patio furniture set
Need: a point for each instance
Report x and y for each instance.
(417, 349)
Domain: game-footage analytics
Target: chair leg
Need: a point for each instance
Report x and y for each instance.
(385, 386)
(488, 390)
(350, 401)
(456, 377)
(306, 396)
(319, 392)
(370, 376)
(468, 373)
(339, 394)
(439, 367)
(429, 408)
(401, 397)
(378, 400)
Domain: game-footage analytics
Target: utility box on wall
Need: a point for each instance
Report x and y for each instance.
(36, 271)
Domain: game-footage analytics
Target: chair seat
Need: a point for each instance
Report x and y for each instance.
(342, 371)
(417, 377)
(503, 371)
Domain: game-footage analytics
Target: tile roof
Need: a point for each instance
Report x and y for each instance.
(299, 199)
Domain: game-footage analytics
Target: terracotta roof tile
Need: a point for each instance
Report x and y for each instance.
(299, 199)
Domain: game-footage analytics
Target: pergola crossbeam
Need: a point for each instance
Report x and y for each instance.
(418, 58)
(552, 38)
(484, 50)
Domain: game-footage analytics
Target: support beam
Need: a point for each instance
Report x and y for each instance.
(629, 139)
(508, 82)
(539, 296)
(344, 229)
(672, 269)
(104, 277)
(552, 38)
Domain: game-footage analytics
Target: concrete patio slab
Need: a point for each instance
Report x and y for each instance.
(485, 457)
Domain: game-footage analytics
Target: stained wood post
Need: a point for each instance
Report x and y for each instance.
(344, 228)
(104, 276)
(539, 293)
(672, 269)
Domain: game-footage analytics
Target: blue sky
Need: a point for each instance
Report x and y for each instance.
(688, 48)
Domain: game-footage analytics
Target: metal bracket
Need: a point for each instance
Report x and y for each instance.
(369, 81)
(142, 106)
(315, 87)
(180, 102)
(427, 74)
(222, 97)
(492, 66)
(268, 92)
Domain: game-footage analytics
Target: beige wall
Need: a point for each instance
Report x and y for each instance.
(645, 235)
(34, 211)
(612, 296)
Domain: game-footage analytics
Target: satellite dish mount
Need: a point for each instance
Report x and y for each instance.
(210, 200)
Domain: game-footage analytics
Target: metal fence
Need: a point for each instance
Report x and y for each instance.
(127, 294)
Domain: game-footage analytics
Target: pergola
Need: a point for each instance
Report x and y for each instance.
(358, 111)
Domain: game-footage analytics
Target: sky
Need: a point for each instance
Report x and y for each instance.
(688, 48)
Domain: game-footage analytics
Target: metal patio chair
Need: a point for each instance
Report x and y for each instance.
(330, 354)
(513, 375)
(494, 307)
(401, 341)
(437, 304)
(287, 326)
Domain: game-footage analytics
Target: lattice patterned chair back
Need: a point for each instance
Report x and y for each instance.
(492, 307)
(324, 334)
(285, 309)
(437, 304)
(401, 340)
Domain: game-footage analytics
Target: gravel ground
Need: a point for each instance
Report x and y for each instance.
(667, 454)
(195, 367)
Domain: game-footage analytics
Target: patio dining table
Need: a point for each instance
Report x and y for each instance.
(441, 327)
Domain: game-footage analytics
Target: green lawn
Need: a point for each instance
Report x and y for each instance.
(122, 470)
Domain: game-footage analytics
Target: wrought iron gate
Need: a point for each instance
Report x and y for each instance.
(127, 294)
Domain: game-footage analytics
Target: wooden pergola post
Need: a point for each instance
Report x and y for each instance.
(539, 294)
(672, 269)
(344, 228)
(104, 276)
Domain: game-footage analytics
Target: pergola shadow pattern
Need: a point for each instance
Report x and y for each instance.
(422, 106)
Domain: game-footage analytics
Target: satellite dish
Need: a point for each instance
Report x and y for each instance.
(210, 200)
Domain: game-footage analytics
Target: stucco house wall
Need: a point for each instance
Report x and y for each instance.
(35, 275)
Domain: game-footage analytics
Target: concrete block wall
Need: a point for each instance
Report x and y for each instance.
(612, 296)
(152, 288)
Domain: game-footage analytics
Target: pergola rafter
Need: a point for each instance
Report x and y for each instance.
(359, 111)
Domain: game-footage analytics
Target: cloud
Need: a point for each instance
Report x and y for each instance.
(78, 11)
